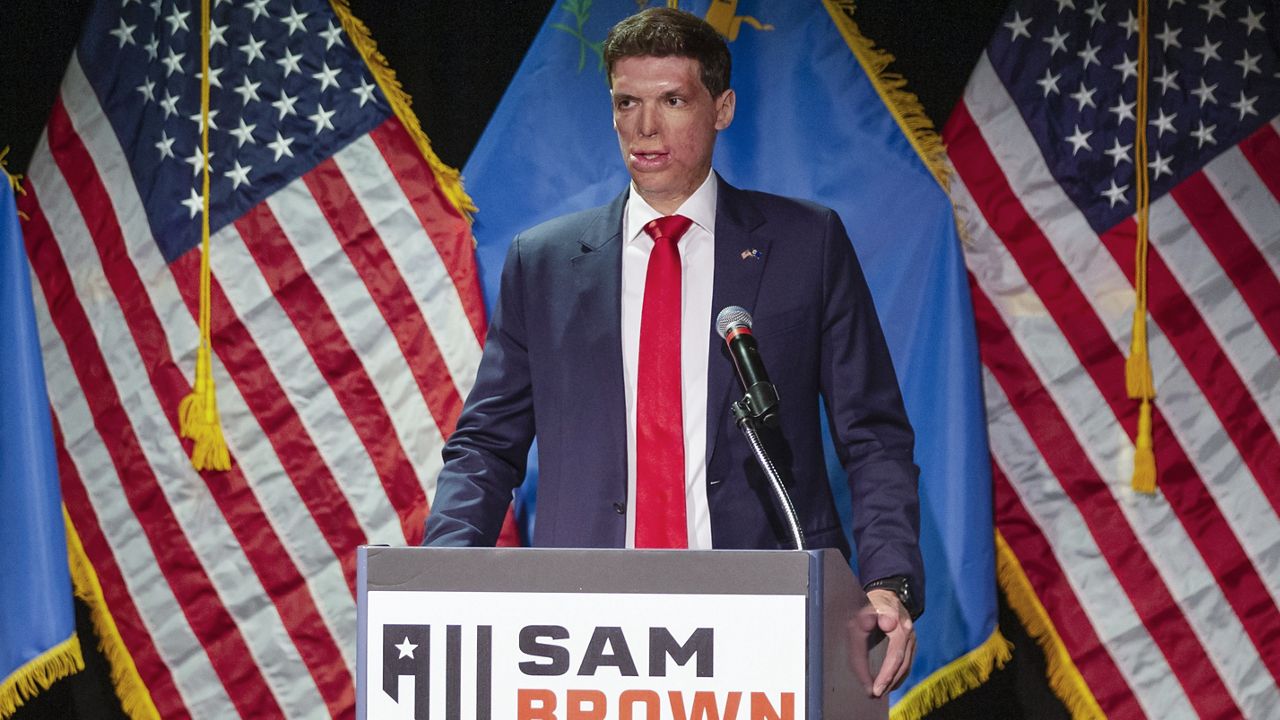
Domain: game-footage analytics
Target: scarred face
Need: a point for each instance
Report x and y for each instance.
(667, 123)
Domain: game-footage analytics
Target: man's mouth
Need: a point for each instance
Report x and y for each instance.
(649, 158)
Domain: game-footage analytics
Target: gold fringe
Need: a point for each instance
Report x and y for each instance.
(449, 179)
(954, 679)
(1064, 677)
(905, 106)
(40, 673)
(135, 699)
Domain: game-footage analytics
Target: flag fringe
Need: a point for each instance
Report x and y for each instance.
(954, 679)
(40, 673)
(135, 699)
(449, 178)
(1064, 677)
(891, 86)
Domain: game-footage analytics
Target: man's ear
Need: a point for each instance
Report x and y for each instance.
(724, 109)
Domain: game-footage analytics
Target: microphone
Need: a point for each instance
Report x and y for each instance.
(761, 402)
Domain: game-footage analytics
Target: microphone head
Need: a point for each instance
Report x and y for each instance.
(730, 317)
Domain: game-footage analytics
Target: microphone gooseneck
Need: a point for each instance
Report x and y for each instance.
(758, 407)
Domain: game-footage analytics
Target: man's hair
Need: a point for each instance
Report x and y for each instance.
(663, 32)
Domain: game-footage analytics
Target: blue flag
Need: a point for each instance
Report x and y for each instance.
(811, 122)
(37, 623)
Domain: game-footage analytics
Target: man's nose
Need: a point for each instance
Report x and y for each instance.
(649, 122)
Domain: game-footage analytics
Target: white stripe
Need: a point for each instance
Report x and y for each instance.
(175, 643)
(1180, 399)
(1251, 202)
(193, 507)
(362, 324)
(415, 256)
(256, 458)
(1110, 451)
(305, 387)
(1121, 631)
(1220, 305)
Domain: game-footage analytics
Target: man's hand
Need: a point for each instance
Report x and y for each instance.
(895, 622)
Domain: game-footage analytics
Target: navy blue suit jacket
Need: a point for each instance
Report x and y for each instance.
(552, 366)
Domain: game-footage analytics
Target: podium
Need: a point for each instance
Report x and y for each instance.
(546, 634)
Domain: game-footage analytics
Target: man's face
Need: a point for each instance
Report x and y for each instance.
(667, 123)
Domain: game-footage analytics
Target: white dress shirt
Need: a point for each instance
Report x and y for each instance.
(697, 269)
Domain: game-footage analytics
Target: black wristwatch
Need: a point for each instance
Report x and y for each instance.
(901, 586)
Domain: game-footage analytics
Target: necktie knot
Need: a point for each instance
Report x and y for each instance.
(670, 227)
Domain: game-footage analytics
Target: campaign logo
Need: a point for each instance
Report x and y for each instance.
(547, 651)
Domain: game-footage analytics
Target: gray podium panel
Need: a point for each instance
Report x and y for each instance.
(550, 634)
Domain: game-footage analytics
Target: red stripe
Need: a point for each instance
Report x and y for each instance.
(1205, 360)
(449, 231)
(1179, 481)
(266, 399)
(1235, 251)
(134, 634)
(280, 578)
(338, 363)
(209, 620)
(1036, 556)
(1071, 466)
(389, 291)
(1262, 150)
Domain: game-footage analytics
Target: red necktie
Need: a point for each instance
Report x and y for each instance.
(660, 496)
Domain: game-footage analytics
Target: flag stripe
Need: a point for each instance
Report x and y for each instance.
(1236, 254)
(1169, 546)
(200, 602)
(241, 298)
(1262, 150)
(1045, 568)
(282, 582)
(133, 631)
(384, 196)
(449, 232)
(1058, 443)
(338, 362)
(389, 291)
(1237, 180)
(250, 384)
(1192, 337)
(345, 292)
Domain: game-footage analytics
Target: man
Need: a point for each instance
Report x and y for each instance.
(602, 343)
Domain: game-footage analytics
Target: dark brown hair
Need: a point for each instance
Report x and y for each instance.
(663, 32)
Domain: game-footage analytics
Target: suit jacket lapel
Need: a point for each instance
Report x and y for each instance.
(596, 267)
(740, 257)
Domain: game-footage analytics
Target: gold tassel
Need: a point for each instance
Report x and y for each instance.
(1139, 382)
(1144, 459)
(198, 418)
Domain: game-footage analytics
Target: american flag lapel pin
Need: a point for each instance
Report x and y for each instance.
(751, 254)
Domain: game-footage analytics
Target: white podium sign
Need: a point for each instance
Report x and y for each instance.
(544, 655)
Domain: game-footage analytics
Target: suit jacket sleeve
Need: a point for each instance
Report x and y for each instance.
(869, 425)
(485, 458)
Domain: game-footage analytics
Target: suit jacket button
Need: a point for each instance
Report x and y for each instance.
(620, 508)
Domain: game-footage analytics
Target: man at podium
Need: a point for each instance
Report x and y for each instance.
(603, 345)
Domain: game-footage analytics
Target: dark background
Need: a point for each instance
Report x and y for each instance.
(455, 59)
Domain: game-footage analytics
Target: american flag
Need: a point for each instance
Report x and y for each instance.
(347, 321)
(1158, 605)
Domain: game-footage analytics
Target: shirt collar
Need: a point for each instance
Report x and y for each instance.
(700, 207)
